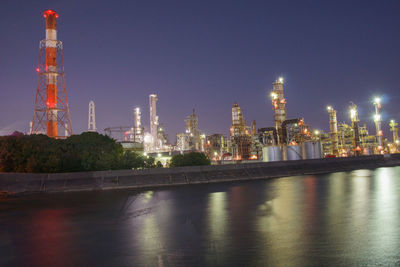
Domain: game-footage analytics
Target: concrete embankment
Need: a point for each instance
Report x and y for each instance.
(19, 183)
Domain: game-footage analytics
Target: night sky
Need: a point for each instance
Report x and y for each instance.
(205, 55)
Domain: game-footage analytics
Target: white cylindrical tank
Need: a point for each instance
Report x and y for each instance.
(294, 152)
(272, 153)
(312, 149)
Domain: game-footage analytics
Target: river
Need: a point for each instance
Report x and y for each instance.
(339, 219)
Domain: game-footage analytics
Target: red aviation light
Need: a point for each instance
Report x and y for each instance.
(37, 69)
(50, 12)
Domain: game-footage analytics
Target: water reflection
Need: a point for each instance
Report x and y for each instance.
(146, 212)
(279, 247)
(339, 219)
(385, 223)
(217, 224)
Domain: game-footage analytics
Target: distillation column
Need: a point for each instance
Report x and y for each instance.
(333, 127)
(92, 118)
(153, 120)
(395, 130)
(279, 106)
(378, 122)
(138, 125)
(354, 123)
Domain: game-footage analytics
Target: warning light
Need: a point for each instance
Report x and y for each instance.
(37, 69)
(49, 13)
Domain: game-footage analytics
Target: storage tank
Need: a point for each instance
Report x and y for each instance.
(272, 153)
(294, 152)
(312, 149)
(368, 151)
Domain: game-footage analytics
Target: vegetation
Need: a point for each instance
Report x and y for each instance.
(88, 151)
(190, 159)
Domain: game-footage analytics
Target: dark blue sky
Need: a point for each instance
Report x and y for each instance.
(205, 55)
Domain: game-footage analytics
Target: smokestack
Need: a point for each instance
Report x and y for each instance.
(51, 67)
(51, 112)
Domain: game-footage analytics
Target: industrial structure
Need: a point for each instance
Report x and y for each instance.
(286, 139)
(192, 139)
(279, 106)
(216, 147)
(51, 112)
(333, 127)
(138, 129)
(92, 118)
(356, 130)
(240, 139)
(152, 139)
(378, 122)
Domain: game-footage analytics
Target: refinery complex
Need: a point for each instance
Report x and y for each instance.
(286, 139)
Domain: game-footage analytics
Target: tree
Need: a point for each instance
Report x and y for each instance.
(190, 159)
(88, 151)
(159, 164)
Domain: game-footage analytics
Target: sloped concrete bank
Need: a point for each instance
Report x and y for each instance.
(20, 183)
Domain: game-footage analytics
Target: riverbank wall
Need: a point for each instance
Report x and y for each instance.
(22, 183)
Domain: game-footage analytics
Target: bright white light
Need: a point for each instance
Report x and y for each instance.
(274, 95)
(329, 108)
(353, 113)
(280, 79)
(316, 132)
(159, 155)
(377, 100)
(148, 138)
(377, 117)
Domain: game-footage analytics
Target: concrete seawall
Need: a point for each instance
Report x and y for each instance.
(19, 183)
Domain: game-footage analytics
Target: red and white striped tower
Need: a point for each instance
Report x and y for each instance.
(51, 112)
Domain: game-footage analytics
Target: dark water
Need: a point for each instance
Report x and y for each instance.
(340, 219)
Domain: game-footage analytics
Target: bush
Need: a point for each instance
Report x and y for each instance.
(190, 159)
(88, 151)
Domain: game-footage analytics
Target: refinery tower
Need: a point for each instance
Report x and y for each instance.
(51, 113)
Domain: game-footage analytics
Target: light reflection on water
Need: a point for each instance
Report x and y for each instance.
(345, 218)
